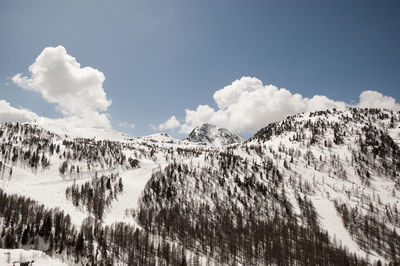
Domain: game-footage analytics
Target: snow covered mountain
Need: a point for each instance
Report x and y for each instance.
(60, 127)
(320, 188)
(159, 137)
(210, 134)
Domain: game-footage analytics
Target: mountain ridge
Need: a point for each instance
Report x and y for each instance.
(332, 175)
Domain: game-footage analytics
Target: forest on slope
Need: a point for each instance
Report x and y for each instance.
(252, 203)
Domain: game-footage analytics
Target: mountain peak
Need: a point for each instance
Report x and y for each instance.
(211, 134)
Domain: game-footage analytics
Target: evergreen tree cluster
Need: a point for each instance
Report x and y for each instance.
(26, 145)
(246, 204)
(96, 195)
(371, 231)
(27, 224)
(244, 216)
(103, 153)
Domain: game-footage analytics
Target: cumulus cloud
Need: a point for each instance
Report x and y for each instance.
(12, 114)
(171, 123)
(247, 105)
(77, 92)
(126, 125)
(374, 99)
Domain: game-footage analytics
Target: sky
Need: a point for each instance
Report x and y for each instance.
(148, 66)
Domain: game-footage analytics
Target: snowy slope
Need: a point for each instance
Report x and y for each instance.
(47, 185)
(331, 222)
(159, 137)
(395, 134)
(333, 159)
(62, 129)
(134, 181)
(327, 161)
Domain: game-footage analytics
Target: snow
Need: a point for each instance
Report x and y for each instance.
(61, 129)
(158, 137)
(325, 182)
(395, 134)
(134, 182)
(48, 186)
(47, 189)
(331, 222)
(14, 256)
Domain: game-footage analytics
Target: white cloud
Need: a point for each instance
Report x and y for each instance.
(186, 129)
(12, 114)
(374, 99)
(247, 105)
(9, 113)
(171, 123)
(126, 125)
(77, 92)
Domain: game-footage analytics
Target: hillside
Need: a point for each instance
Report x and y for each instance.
(316, 188)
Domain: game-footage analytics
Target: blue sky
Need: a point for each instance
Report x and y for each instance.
(162, 57)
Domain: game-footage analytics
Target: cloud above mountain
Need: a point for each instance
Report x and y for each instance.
(244, 106)
(77, 91)
(12, 114)
(247, 105)
(374, 99)
(171, 123)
